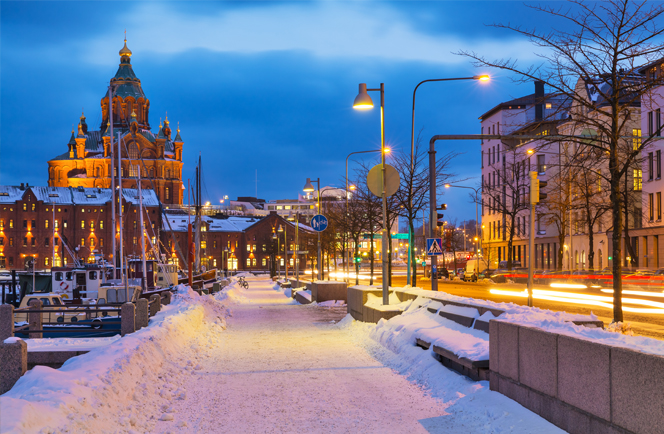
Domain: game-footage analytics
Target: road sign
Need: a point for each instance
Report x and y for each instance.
(375, 180)
(319, 223)
(434, 246)
(297, 252)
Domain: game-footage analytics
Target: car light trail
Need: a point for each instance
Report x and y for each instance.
(568, 285)
(588, 299)
(630, 292)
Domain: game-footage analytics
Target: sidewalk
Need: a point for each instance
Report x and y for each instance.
(287, 368)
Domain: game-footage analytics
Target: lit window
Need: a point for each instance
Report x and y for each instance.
(101, 224)
(82, 242)
(46, 223)
(638, 179)
(636, 139)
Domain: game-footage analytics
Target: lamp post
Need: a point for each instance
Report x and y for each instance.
(308, 187)
(363, 102)
(412, 154)
(477, 195)
(386, 150)
(225, 256)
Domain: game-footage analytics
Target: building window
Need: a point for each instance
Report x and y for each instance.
(135, 241)
(650, 166)
(46, 261)
(92, 224)
(248, 247)
(248, 262)
(64, 224)
(101, 224)
(541, 164)
(25, 241)
(11, 241)
(168, 193)
(33, 206)
(214, 262)
(101, 242)
(2, 241)
(25, 224)
(658, 205)
(214, 244)
(46, 242)
(203, 244)
(651, 207)
(34, 224)
(46, 223)
(133, 152)
(135, 226)
(32, 241)
(25, 207)
(658, 163)
(92, 242)
(264, 262)
(11, 223)
(638, 179)
(82, 242)
(636, 139)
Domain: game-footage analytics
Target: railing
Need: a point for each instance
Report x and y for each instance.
(70, 327)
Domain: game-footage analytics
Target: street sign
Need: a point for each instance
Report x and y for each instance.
(297, 252)
(434, 246)
(319, 223)
(375, 180)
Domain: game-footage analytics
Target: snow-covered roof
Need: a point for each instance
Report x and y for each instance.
(179, 222)
(10, 194)
(76, 195)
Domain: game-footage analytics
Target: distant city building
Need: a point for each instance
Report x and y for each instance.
(87, 160)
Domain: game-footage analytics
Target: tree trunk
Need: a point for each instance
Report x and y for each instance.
(616, 208)
(371, 253)
(561, 250)
(357, 264)
(628, 240)
(411, 246)
(591, 249)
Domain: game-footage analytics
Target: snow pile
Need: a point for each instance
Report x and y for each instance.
(305, 293)
(403, 330)
(376, 302)
(332, 303)
(555, 322)
(470, 406)
(117, 387)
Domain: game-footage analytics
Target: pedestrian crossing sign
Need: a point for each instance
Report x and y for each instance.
(434, 246)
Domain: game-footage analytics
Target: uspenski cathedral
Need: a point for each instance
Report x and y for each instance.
(87, 162)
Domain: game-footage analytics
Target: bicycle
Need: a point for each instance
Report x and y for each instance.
(243, 283)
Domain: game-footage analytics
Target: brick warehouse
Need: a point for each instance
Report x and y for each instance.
(239, 242)
(35, 220)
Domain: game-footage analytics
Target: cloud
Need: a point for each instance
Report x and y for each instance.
(326, 30)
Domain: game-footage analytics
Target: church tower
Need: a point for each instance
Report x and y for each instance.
(87, 162)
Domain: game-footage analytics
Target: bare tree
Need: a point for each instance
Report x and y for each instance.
(412, 197)
(595, 62)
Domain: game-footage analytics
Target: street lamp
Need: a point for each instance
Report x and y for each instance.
(309, 188)
(483, 78)
(352, 187)
(477, 195)
(363, 102)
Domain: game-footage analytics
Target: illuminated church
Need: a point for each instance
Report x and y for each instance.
(87, 162)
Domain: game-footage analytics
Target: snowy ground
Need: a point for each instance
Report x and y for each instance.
(278, 367)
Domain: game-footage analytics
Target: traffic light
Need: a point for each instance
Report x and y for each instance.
(536, 187)
(440, 216)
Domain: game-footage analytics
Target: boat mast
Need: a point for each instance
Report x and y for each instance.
(140, 207)
(120, 207)
(190, 245)
(113, 224)
(198, 215)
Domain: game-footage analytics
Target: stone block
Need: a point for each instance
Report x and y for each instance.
(127, 319)
(537, 360)
(584, 376)
(578, 422)
(52, 359)
(155, 304)
(493, 346)
(637, 391)
(6, 321)
(494, 382)
(508, 355)
(35, 319)
(329, 291)
(167, 297)
(142, 313)
(14, 362)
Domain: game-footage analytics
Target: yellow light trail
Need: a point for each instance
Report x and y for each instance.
(587, 299)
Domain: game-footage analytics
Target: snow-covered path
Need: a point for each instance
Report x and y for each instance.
(286, 368)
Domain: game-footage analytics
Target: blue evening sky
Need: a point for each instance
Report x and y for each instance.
(264, 86)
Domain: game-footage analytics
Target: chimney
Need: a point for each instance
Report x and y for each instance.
(22, 186)
(539, 100)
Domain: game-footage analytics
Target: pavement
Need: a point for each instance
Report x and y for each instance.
(287, 368)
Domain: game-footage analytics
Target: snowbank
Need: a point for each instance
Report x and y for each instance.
(118, 387)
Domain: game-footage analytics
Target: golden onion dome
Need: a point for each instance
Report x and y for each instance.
(125, 51)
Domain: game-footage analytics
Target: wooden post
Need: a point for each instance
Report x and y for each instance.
(127, 319)
(35, 319)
